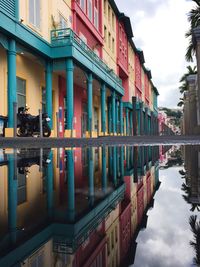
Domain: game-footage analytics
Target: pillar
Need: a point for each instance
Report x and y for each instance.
(127, 121)
(114, 150)
(134, 100)
(113, 113)
(49, 99)
(131, 122)
(71, 186)
(135, 165)
(90, 102)
(50, 187)
(141, 119)
(12, 83)
(146, 121)
(103, 108)
(69, 95)
(104, 173)
(91, 176)
(110, 161)
(12, 199)
(122, 161)
(117, 113)
(121, 115)
(109, 116)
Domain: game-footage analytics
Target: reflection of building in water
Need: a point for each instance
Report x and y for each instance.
(191, 187)
(75, 207)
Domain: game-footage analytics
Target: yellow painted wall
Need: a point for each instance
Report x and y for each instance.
(113, 239)
(3, 83)
(3, 199)
(47, 8)
(34, 74)
(131, 70)
(45, 251)
(109, 55)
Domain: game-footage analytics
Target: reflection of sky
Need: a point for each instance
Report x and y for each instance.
(165, 242)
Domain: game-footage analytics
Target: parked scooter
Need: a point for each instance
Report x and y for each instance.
(29, 125)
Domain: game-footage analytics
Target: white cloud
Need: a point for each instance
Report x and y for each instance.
(159, 30)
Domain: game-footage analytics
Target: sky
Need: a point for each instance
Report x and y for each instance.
(165, 241)
(159, 28)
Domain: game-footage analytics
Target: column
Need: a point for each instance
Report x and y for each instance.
(49, 100)
(131, 122)
(90, 102)
(146, 121)
(113, 113)
(110, 161)
(141, 119)
(69, 96)
(50, 187)
(104, 173)
(71, 186)
(12, 199)
(91, 176)
(114, 150)
(127, 122)
(116, 112)
(135, 165)
(152, 123)
(109, 116)
(103, 108)
(122, 161)
(12, 83)
(134, 99)
(121, 116)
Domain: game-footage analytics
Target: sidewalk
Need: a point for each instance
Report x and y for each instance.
(30, 142)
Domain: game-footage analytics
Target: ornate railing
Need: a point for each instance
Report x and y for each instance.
(64, 36)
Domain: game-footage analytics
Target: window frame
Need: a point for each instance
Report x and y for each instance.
(90, 15)
(36, 17)
(20, 93)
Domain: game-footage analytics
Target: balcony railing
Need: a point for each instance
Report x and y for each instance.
(64, 36)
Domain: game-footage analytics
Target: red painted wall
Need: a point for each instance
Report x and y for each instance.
(127, 181)
(125, 83)
(82, 24)
(146, 86)
(140, 203)
(79, 97)
(89, 251)
(125, 229)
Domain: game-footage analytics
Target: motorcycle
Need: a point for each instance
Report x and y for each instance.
(29, 125)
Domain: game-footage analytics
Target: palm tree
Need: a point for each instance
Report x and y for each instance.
(194, 20)
(183, 79)
(184, 83)
(195, 228)
(186, 197)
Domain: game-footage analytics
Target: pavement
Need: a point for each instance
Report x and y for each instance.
(37, 142)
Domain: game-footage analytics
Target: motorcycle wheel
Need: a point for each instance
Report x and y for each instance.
(22, 131)
(46, 131)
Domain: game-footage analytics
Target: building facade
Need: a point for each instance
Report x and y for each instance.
(76, 61)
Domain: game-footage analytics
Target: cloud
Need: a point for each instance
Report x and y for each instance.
(165, 242)
(159, 28)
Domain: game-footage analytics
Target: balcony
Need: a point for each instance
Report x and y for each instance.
(63, 37)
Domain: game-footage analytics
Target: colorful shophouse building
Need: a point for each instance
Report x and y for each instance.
(76, 59)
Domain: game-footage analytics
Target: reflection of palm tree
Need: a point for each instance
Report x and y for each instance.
(182, 172)
(195, 228)
(186, 197)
